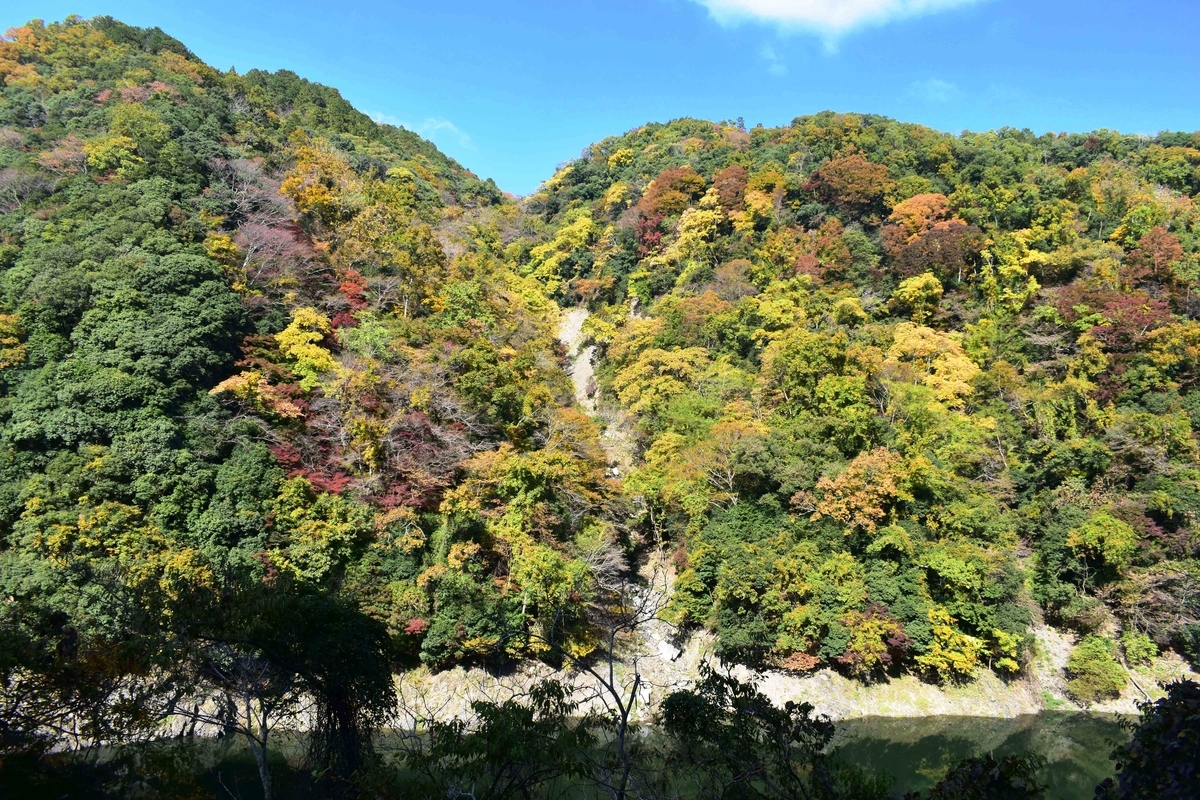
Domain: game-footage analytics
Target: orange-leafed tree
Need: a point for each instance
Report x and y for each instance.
(863, 495)
(852, 185)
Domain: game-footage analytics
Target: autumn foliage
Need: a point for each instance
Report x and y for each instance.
(888, 395)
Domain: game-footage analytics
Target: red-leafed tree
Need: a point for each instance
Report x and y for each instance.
(950, 250)
(648, 231)
(730, 184)
(1151, 261)
(671, 192)
(852, 185)
(1127, 320)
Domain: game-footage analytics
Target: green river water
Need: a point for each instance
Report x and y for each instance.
(917, 751)
(913, 752)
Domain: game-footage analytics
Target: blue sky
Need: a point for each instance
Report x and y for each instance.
(512, 89)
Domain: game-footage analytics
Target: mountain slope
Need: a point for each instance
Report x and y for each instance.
(267, 387)
(281, 383)
(897, 390)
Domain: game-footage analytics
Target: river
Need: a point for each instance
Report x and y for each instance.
(917, 751)
(914, 752)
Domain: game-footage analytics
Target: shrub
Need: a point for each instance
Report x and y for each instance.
(1094, 673)
(1084, 614)
(1139, 649)
(1189, 643)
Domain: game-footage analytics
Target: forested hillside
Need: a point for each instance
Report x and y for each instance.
(280, 388)
(269, 385)
(898, 391)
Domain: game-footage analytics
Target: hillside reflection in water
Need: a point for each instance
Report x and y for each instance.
(918, 751)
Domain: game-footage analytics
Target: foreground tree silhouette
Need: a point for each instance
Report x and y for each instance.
(517, 748)
(989, 778)
(719, 738)
(277, 655)
(1162, 759)
(731, 741)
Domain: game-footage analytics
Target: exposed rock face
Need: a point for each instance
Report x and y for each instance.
(617, 437)
(665, 666)
(570, 333)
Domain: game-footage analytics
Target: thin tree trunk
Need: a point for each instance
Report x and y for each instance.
(264, 774)
(258, 746)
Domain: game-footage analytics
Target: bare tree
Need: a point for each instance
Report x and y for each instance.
(250, 193)
(18, 187)
(239, 690)
(623, 612)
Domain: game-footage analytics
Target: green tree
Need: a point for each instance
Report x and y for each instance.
(1093, 671)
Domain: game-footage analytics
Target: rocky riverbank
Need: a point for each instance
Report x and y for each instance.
(663, 668)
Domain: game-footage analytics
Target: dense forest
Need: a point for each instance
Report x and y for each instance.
(895, 391)
(284, 412)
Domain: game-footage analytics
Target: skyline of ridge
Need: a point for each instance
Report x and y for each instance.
(513, 89)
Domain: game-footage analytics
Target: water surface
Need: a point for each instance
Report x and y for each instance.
(917, 751)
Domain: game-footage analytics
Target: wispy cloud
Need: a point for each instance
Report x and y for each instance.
(775, 64)
(436, 129)
(826, 17)
(933, 90)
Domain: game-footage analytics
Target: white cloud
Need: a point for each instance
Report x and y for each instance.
(435, 129)
(933, 90)
(775, 65)
(829, 17)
